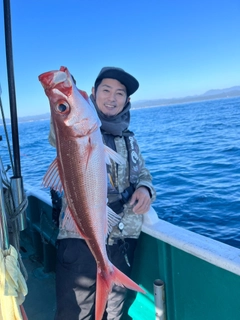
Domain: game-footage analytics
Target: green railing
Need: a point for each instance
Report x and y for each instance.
(201, 275)
(194, 289)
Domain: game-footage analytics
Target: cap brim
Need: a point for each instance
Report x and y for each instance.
(125, 78)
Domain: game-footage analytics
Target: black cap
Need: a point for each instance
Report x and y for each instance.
(119, 74)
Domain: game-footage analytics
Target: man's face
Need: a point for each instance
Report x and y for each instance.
(111, 96)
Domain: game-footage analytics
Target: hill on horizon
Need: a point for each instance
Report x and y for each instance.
(208, 95)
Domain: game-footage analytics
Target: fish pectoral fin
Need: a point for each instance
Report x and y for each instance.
(111, 154)
(113, 219)
(52, 177)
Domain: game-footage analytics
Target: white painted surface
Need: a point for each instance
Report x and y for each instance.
(212, 251)
(37, 193)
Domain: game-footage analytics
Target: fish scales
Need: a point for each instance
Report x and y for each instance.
(79, 179)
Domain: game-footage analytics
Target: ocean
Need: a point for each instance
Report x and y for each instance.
(192, 151)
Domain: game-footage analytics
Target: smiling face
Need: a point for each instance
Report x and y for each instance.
(111, 96)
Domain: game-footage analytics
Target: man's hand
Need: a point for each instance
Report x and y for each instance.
(141, 200)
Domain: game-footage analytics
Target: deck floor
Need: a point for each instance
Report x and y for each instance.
(39, 303)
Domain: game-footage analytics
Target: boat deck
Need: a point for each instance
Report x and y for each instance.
(39, 303)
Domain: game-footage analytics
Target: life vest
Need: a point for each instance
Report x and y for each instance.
(134, 171)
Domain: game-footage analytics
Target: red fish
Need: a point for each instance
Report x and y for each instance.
(80, 171)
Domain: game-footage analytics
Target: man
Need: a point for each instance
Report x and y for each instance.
(130, 194)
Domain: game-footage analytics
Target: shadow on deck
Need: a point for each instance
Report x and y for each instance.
(39, 303)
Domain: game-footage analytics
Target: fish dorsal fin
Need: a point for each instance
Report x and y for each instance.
(111, 154)
(113, 219)
(52, 177)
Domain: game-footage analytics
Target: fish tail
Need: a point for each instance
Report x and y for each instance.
(105, 281)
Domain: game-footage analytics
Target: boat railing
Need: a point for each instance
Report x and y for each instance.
(205, 248)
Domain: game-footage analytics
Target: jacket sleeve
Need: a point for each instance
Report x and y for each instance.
(145, 179)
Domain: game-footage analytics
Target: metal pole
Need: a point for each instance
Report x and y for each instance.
(159, 298)
(11, 88)
(3, 218)
(16, 181)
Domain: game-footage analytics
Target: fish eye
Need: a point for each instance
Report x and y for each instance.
(62, 107)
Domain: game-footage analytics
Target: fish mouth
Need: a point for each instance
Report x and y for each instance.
(52, 78)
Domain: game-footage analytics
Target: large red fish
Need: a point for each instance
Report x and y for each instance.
(80, 171)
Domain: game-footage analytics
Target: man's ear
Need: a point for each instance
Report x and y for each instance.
(128, 100)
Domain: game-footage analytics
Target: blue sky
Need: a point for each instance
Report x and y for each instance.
(174, 48)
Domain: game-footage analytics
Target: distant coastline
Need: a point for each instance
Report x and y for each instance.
(209, 95)
(228, 93)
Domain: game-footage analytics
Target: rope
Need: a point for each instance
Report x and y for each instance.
(12, 212)
(12, 215)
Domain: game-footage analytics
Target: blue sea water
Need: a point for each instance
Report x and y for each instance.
(192, 151)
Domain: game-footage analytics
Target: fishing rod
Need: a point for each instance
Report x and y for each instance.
(11, 88)
(19, 199)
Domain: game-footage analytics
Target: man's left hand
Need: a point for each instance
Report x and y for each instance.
(141, 200)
